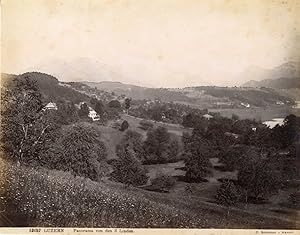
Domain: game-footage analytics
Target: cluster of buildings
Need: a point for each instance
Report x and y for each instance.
(92, 113)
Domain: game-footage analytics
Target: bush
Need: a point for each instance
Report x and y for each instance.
(124, 125)
(227, 194)
(163, 183)
(145, 125)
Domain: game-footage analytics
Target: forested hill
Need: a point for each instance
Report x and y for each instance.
(48, 85)
(202, 96)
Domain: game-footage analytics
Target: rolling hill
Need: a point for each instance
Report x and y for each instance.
(205, 96)
(49, 86)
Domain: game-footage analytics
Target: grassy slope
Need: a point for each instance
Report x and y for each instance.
(53, 198)
(172, 128)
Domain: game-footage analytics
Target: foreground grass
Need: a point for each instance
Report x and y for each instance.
(38, 197)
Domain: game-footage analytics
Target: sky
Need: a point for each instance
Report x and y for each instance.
(158, 43)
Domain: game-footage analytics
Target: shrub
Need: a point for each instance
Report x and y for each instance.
(145, 125)
(227, 194)
(124, 125)
(163, 182)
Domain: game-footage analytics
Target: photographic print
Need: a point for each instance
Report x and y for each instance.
(150, 114)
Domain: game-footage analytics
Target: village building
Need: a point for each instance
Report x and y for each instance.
(207, 116)
(230, 134)
(93, 114)
(50, 106)
(245, 105)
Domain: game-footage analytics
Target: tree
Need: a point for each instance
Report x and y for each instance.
(258, 178)
(197, 166)
(124, 125)
(162, 182)
(66, 112)
(227, 194)
(25, 127)
(127, 104)
(128, 169)
(197, 153)
(134, 141)
(83, 111)
(93, 102)
(232, 157)
(288, 133)
(173, 150)
(99, 108)
(157, 145)
(114, 104)
(83, 151)
(145, 125)
(156, 113)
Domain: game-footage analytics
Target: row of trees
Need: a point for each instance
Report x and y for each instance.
(263, 157)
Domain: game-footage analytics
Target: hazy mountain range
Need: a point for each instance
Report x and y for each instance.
(92, 70)
(285, 76)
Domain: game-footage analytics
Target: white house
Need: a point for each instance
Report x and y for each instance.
(93, 114)
(245, 105)
(207, 116)
(50, 106)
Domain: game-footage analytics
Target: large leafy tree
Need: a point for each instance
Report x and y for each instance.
(26, 129)
(288, 133)
(159, 146)
(258, 178)
(99, 108)
(66, 112)
(133, 140)
(83, 112)
(197, 153)
(82, 151)
(128, 169)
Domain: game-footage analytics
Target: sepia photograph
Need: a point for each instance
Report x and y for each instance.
(175, 114)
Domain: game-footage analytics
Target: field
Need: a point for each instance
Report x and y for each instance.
(175, 129)
(206, 191)
(78, 202)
